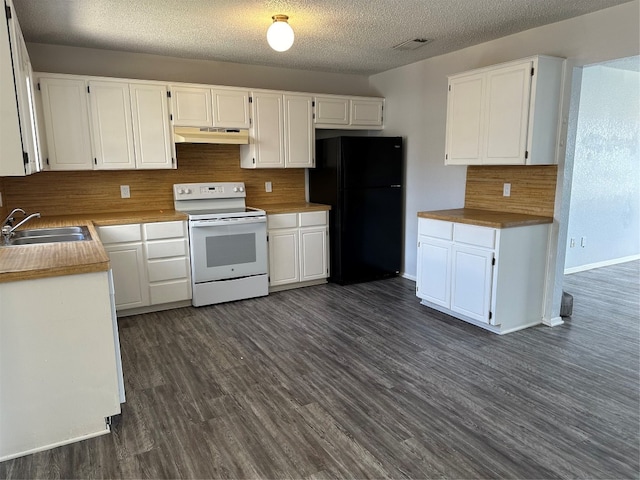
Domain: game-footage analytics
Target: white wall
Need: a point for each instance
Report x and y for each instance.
(109, 63)
(417, 96)
(605, 191)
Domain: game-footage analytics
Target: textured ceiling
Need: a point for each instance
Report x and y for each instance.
(347, 36)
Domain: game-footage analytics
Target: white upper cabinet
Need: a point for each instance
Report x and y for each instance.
(151, 128)
(332, 110)
(281, 134)
(191, 106)
(464, 120)
(367, 112)
(348, 112)
(506, 114)
(230, 108)
(202, 106)
(266, 136)
(95, 123)
(110, 104)
(19, 135)
(66, 119)
(299, 138)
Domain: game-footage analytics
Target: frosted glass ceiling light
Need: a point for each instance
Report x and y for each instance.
(280, 34)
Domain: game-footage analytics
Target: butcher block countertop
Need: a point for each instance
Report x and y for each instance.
(27, 262)
(293, 208)
(486, 218)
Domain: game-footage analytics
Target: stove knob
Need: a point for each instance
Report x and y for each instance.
(242, 189)
(188, 190)
(235, 189)
(181, 191)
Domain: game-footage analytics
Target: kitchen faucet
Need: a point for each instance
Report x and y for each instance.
(7, 229)
(9, 220)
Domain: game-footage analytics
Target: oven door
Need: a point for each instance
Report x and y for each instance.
(228, 248)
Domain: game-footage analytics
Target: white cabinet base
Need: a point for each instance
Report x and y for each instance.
(289, 286)
(492, 328)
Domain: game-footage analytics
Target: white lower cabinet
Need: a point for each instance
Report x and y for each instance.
(150, 263)
(129, 276)
(298, 249)
(493, 278)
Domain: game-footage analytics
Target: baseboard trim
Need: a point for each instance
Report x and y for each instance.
(408, 277)
(552, 322)
(605, 263)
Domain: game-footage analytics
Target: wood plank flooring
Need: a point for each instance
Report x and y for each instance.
(361, 381)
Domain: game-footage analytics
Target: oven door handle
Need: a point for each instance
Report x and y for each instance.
(228, 221)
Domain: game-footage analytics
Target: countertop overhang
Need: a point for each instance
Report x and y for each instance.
(486, 218)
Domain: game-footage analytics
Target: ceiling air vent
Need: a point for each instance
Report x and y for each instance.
(412, 44)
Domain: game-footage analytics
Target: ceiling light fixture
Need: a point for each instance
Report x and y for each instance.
(280, 34)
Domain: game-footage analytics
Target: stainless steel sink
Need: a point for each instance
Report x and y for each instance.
(39, 232)
(38, 236)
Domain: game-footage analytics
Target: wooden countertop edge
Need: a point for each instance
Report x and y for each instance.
(294, 208)
(486, 218)
(53, 272)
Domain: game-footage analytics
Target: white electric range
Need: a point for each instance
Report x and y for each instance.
(228, 242)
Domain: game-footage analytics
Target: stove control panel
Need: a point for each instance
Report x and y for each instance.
(202, 191)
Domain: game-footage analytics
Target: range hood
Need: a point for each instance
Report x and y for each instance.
(210, 135)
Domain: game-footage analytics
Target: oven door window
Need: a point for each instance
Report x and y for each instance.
(224, 252)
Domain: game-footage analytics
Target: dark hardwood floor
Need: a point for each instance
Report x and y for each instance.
(361, 381)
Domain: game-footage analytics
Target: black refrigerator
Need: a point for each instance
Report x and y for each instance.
(362, 179)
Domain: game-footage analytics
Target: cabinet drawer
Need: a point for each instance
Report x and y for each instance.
(310, 219)
(474, 235)
(120, 233)
(160, 230)
(170, 292)
(168, 269)
(283, 220)
(167, 248)
(435, 228)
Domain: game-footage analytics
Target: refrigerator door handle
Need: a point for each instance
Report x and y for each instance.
(396, 186)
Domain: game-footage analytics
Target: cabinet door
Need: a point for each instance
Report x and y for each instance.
(284, 257)
(313, 253)
(111, 125)
(23, 75)
(151, 127)
(299, 143)
(66, 118)
(367, 112)
(472, 275)
(434, 271)
(268, 130)
(230, 108)
(332, 110)
(129, 275)
(191, 106)
(507, 115)
(464, 120)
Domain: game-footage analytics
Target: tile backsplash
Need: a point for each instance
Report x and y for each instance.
(85, 192)
(533, 188)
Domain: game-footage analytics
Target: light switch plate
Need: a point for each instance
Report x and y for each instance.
(267, 187)
(124, 191)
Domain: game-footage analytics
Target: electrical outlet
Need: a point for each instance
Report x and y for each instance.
(572, 242)
(267, 187)
(506, 190)
(124, 191)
